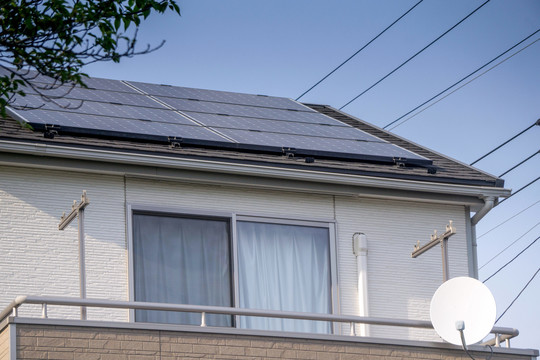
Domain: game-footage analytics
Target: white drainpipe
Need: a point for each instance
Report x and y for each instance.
(489, 203)
(360, 249)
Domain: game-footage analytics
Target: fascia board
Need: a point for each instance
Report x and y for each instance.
(71, 152)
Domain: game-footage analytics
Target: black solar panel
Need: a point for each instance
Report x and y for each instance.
(280, 126)
(86, 124)
(204, 118)
(112, 110)
(220, 96)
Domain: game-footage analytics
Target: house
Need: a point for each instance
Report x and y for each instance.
(216, 223)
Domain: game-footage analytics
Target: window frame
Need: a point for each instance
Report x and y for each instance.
(232, 219)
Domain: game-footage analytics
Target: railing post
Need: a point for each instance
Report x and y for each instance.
(16, 311)
(203, 319)
(507, 343)
(44, 310)
(497, 341)
(353, 329)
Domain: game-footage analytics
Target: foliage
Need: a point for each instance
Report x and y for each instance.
(57, 38)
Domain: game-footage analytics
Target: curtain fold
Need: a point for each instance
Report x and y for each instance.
(181, 261)
(284, 267)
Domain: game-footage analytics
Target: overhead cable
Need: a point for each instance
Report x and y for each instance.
(506, 248)
(356, 53)
(507, 220)
(518, 295)
(537, 122)
(514, 258)
(464, 78)
(515, 166)
(412, 57)
(523, 187)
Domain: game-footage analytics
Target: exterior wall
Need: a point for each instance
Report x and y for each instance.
(63, 342)
(40, 260)
(398, 285)
(4, 343)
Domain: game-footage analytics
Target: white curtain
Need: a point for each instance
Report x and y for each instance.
(284, 267)
(181, 261)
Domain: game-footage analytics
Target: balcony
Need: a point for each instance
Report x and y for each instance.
(54, 338)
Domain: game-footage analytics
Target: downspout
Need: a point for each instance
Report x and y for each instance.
(489, 203)
(360, 249)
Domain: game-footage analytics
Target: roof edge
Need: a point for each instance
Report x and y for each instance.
(153, 160)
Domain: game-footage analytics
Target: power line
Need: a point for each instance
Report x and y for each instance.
(507, 220)
(462, 86)
(356, 53)
(515, 166)
(412, 57)
(462, 79)
(506, 248)
(506, 142)
(514, 258)
(523, 187)
(518, 295)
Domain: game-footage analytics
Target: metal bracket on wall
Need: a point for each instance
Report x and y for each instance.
(437, 239)
(77, 210)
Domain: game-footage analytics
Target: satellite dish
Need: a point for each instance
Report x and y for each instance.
(463, 301)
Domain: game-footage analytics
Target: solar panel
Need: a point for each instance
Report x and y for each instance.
(104, 109)
(220, 96)
(249, 111)
(319, 146)
(85, 123)
(205, 118)
(279, 126)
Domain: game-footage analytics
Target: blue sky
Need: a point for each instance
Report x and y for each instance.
(282, 47)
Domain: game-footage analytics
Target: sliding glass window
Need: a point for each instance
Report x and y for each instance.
(180, 260)
(284, 267)
(279, 265)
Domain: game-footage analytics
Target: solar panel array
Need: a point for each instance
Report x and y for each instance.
(201, 117)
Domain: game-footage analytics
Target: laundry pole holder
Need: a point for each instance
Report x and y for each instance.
(77, 211)
(438, 239)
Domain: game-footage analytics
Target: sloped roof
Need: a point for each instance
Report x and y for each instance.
(440, 169)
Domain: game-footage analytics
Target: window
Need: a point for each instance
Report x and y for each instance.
(181, 261)
(278, 265)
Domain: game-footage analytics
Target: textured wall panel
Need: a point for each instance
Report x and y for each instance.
(399, 286)
(38, 259)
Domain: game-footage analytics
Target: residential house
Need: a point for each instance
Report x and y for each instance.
(227, 203)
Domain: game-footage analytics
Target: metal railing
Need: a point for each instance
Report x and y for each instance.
(501, 333)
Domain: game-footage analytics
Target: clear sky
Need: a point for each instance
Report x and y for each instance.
(282, 47)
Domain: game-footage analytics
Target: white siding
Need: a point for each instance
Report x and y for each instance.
(39, 259)
(399, 286)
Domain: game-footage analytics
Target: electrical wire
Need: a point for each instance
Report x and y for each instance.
(462, 79)
(514, 258)
(505, 221)
(518, 295)
(523, 187)
(536, 123)
(506, 248)
(357, 52)
(515, 166)
(462, 86)
(412, 57)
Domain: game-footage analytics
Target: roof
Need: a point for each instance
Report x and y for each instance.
(422, 164)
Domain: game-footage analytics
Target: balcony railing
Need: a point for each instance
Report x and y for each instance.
(500, 333)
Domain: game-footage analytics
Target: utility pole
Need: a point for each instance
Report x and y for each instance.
(443, 241)
(77, 211)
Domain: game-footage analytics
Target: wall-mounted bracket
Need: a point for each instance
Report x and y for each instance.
(437, 239)
(77, 211)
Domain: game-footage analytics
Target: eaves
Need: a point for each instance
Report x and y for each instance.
(129, 163)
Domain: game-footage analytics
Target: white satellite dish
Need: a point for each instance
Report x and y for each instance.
(465, 301)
